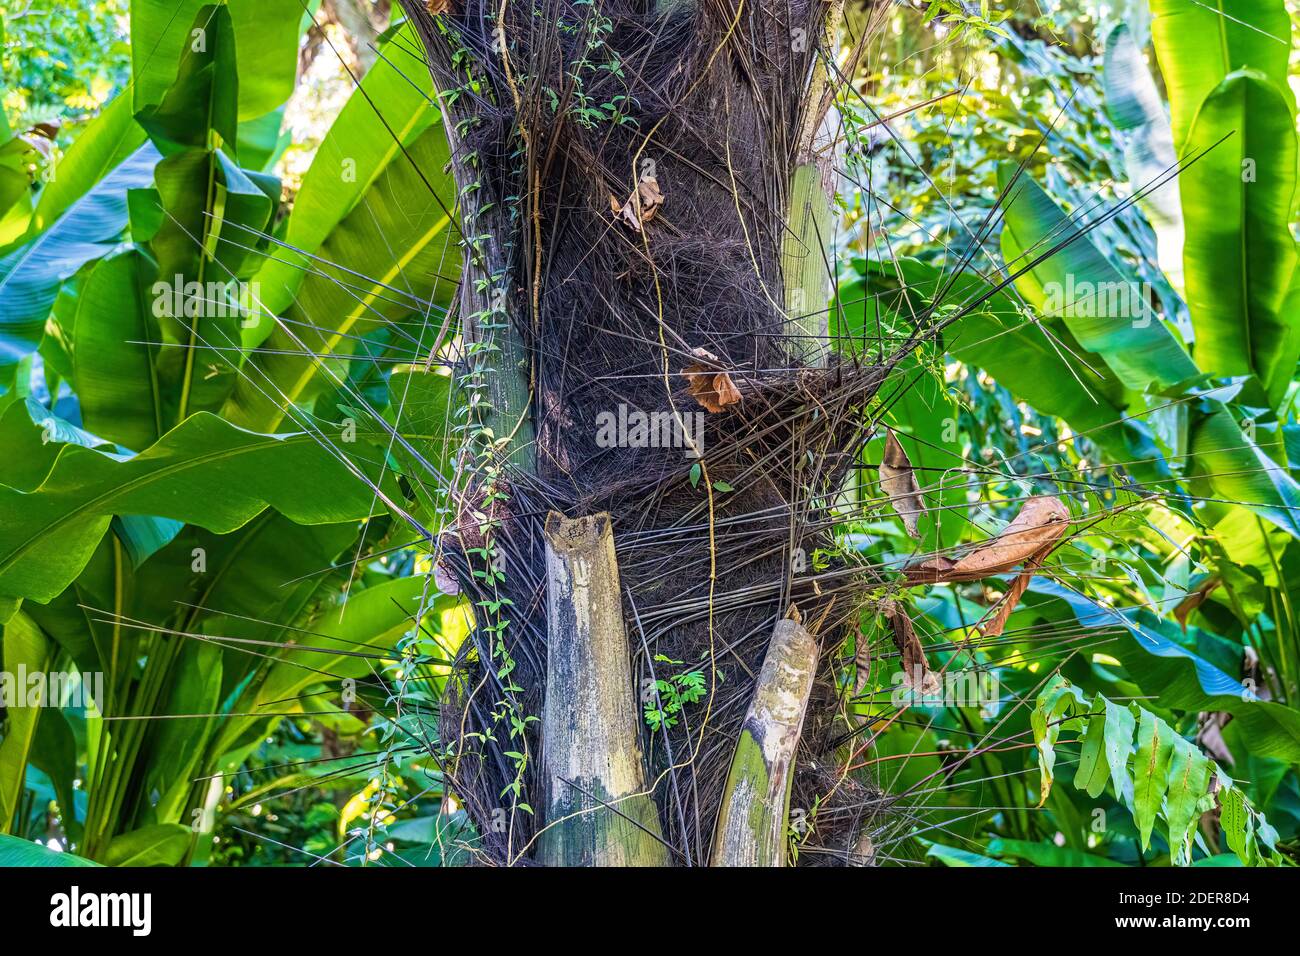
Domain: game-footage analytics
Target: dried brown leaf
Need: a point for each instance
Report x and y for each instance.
(998, 620)
(641, 206)
(861, 664)
(1194, 600)
(1040, 523)
(861, 669)
(934, 569)
(713, 389)
(898, 482)
(916, 668)
(1034, 532)
(651, 197)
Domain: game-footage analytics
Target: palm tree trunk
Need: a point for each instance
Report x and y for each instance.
(647, 223)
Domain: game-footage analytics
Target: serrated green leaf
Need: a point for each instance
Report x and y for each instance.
(1150, 771)
(1189, 778)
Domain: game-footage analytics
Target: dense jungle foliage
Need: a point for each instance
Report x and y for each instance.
(228, 262)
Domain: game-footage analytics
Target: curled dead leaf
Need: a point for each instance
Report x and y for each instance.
(932, 569)
(40, 138)
(1040, 523)
(1194, 600)
(1034, 532)
(861, 669)
(641, 206)
(437, 7)
(916, 668)
(996, 621)
(713, 389)
(898, 482)
(651, 197)
(1027, 540)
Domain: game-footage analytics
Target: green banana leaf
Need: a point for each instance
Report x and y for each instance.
(54, 753)
(1104, 309)
(25, 647)
(15, 852)
(16, 200)
(174, 745)
(390, 111)
(163, 844)
(30, 276)
(271, 570)
(953, 856)
(1199, 42)
(1047, 854)
(397, 259)
(203, 99)
(101, 147)
(266, 33)
(205, 472)
(1039, 360)
(1146, 356)
(421, 404)
(336, 646)
(262, 141)
(203, 244)
(1240, 257)
(113, 364)
(15, 179)
(1237, 470)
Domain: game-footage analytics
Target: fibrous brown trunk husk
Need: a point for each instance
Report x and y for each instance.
(597, 312)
